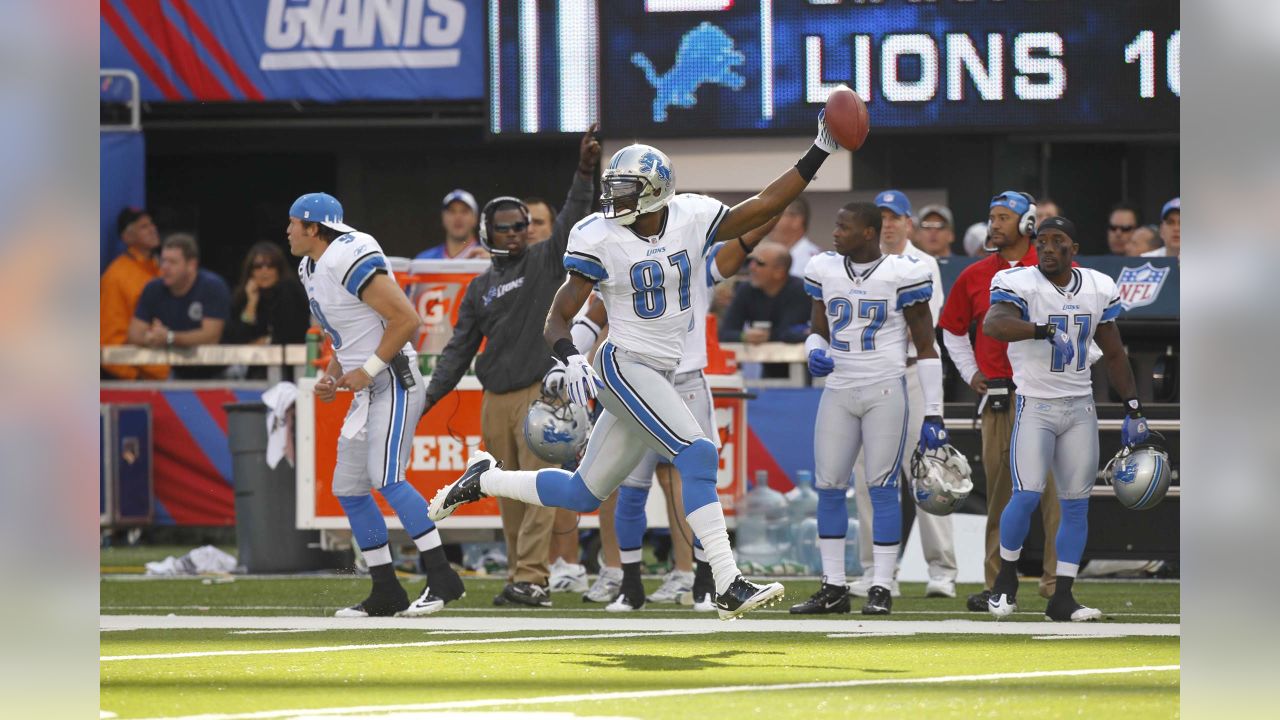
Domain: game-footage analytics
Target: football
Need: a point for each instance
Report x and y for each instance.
(847, 118)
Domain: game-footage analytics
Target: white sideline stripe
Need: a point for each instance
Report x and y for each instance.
(500, 612)
(377, 646)
(1070, 637)
(680, 692)
(531, 623)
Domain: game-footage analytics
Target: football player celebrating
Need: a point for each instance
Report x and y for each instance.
(1049, 315)
(643, 251)
(370, 321)
(865, 306)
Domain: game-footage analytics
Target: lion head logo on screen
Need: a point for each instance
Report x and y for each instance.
(706, 55)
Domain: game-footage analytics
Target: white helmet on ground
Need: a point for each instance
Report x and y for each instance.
(1140, 474)
(556, 429)
(940, 479)
(638, 180)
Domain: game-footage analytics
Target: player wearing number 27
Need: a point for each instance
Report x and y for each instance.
(866, 307)
(644, 250)
(1049, 315)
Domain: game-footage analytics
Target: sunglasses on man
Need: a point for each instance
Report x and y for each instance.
(1122, 228)
(513, 227)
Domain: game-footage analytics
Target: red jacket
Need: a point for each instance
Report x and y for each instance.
(968, 302)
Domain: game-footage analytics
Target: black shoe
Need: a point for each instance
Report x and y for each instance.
(631, 596)
(879, 601)
(527, 594)
(465, 489)
(743, 596)
(445, 583)
(829, 599)
(704, 583)
(501, 598)
(1064, 608)
(977, 602)
(385, 600)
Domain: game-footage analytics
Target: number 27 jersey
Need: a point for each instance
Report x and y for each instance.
(868, 332)
(648, 285)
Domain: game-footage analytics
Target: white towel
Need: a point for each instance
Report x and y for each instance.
(279, 401)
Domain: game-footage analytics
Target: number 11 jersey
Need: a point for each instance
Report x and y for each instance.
(648, 283)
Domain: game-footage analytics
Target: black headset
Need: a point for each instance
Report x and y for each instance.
(492, 207)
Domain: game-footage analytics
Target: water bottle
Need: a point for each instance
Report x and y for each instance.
(804, 547)
(852, 563)
(802, 500)
(763, 537)
(313, 350)
(802, 512)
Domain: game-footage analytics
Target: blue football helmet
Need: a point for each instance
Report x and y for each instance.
(556, 430)
(638, 180)
(1140, 474)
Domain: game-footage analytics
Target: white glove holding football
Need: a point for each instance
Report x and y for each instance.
(580, 380)
(553, 381)
(824, 141)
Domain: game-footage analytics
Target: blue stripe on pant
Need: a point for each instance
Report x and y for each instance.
(635, 406)
(399, 407)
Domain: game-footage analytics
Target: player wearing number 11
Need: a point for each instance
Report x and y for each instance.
(1049, 315)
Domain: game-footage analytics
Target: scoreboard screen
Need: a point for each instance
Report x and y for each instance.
(716, 67)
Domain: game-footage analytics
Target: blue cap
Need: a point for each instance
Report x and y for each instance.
(462, 196)
(1174, 205)
(894, 200)
(1013, 200)
(320, 208)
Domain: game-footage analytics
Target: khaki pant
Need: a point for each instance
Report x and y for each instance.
(997, 433)
(526, 528)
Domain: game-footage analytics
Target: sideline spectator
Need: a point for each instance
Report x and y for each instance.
(975, 239)
(772, 307)
(184, 307)
(269, 306)
(458, 216)
(1121, 225)
(936, 231)
(542, 217)
(1045, 209)
(121, 286)
(1170, 230)
(792, 232)
(1143, 240)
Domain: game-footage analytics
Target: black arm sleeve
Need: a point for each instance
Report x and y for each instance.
(462, 347)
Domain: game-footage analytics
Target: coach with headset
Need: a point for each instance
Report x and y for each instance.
(507, 306)
(985, 366)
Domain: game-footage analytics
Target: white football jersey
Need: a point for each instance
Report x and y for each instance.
(868, 332)
(650, 285)
(333, 286)
(1091, 298)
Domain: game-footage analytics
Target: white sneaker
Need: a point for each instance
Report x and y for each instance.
(940, 588)
(1001, 605)
(705, 604)
(860, 587)
(620, 604)
(426, 604)
(606, 587)
(567, 577)
(675, 585)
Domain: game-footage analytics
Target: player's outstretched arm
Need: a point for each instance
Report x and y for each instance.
(756, 210)
(734, 253)
(389, 301)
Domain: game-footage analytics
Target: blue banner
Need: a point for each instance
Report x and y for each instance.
(122, 182)
(322, 50)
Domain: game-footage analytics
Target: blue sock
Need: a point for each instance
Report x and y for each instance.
(1015, 521)
(1073, 530)
(886, 515)
(560, 488)
(630, 517)
(410, 506)
(698, 464)
(368, 528)
(833, 514)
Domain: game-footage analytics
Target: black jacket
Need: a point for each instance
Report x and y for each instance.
(789, 312)
(507, 305)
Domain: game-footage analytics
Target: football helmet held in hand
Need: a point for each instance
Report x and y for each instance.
(556, 429)
(1140, 474)
(940, 479)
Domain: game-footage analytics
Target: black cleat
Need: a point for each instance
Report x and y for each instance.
(501, 598)
(829, 599)
(879, 601)
(1064, 608)
(977, 602)
(743, 596)
(702, 595)
(465, 489)
(631, 596)
(385, 600)
(445, 583)
(527, 594)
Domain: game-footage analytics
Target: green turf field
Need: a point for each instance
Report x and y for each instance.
(267, 648)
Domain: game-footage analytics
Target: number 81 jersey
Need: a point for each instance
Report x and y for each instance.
(648, 283)
(1088, 300)
(867, 330)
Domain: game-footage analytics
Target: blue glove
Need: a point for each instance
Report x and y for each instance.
(1134, 429)
(1062, 343)
(820, 364)
(932, 433)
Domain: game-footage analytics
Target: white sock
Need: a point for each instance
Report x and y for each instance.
(631, 556)
(428, 541)
(1066, 569)
(699, 554)
(379, 556)
(519, 485)
(1010, 555)
(707, 522)
(884, 560)
(832, 550)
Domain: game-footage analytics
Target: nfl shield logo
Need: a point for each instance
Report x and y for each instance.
(1141, 285)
